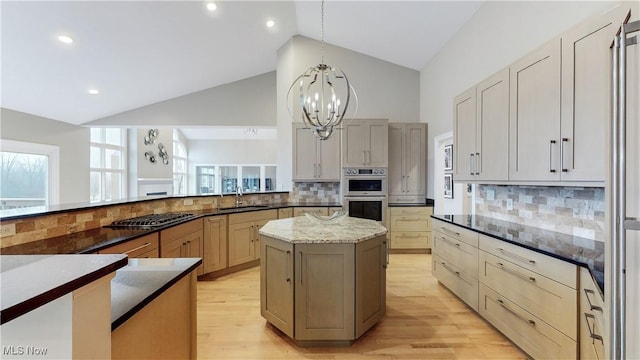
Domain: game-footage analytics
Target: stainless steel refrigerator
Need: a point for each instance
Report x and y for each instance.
(622, 285)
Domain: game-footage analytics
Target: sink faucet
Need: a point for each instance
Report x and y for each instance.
(238, 195)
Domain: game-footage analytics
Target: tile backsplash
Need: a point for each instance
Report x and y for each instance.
(577, 211)
(315, 192)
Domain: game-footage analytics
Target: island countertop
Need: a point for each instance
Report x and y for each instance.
(302, 230)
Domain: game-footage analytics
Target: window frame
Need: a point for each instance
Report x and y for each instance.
(103, 170)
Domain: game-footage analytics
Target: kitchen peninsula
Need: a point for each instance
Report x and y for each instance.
(323, 283)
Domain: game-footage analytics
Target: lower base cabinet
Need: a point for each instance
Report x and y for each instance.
(593, 333)
(307, 290)
(183, 241)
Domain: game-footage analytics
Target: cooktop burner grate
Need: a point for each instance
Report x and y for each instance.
(153, 220)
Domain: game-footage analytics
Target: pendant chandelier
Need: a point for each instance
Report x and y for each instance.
(325, 94)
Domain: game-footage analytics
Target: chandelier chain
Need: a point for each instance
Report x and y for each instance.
(322, 32)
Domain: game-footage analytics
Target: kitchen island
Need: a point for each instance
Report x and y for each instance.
(323, 283)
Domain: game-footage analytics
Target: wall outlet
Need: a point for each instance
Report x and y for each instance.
(509, 204)
(7, 230)
(187, 202)
(491, 194)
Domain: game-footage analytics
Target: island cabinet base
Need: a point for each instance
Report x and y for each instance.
(323, 294)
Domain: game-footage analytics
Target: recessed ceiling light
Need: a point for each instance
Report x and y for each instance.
(270, 23)
(65, 39)
(94, 92)
(212, 6)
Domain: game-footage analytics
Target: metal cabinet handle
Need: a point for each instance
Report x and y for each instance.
(137, 248)
(444, 265)
(516, 256)
(477, 163)
(451, 232)
(319, 170)
(411, 236)
(515, 273)
(504, 306)
(471, 164)
(301, 267)
(592, 334)
(591, 306)
(385, 256)
(288, 277)
(449, 242)
(562, 166)
(551, 143)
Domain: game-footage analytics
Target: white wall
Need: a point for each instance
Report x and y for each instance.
(247, 102)
(497, 35)
(72, 140)
(385, 90)
(211, 152)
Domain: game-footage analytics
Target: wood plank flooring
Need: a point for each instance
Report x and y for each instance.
(424, 321)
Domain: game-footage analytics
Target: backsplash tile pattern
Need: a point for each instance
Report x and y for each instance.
(47, 226)
(315, 192)
(577, 211)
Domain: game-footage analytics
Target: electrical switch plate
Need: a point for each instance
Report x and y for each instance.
(187, 202)
(8, 230)
(509, 204)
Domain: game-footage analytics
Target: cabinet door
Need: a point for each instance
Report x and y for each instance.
(353, 144)
(492, 128)
(376, 143)
(144, 246)
(324, 288)
(371, 283)
(193, 247)
(241, 243)
(173, 249)
(258, 224)
(285, 213)
(586, 96)
(464, 134)
(534, 121)
(328, 168)
(276, 284)
(215, 243)
(304, 154)
(415, 160)
(395, 179)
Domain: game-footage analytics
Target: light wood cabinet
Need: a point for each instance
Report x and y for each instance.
(323, 292)
(142, 247)
(365, 143)
(455, 260)
(534, 120)
(586, 96)
(410, 228)
(481, 130)
(285, 213)
(244, 240)
(184, 240)
(407, 163)
(215, 244)
(593, 333)
(314, 159)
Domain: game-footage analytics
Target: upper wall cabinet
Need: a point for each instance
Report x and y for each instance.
(407, 163)
(481, 128)
(313, 159)
(365, 143)
(535, 115)
(586, 96)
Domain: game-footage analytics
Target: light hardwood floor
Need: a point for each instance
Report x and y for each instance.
(424, 321)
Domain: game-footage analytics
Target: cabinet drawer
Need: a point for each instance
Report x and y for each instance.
(410, 240)
(179, 231)
(457, 252)
(558, 270)
(253, 216)
(455, 232)
(409, 223)
(546, 299)
(456, 280)
(593, 333)
(533, 335)
(136, 247)
(423, 212)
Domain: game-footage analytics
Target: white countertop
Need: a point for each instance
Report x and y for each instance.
(299, 230)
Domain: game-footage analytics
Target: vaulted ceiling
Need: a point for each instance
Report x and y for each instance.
(137, 53)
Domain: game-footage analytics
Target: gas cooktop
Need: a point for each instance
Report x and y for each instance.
(151, 221)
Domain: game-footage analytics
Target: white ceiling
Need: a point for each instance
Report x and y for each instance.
(138, 53)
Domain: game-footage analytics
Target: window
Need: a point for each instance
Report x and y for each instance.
(108, 164)
(216, 179)
(29, 174)
(179, 165)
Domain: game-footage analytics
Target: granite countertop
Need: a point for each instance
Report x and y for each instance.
(302, 230)
(577, 250)
(427, 203)
(30, 281)
(143, 280)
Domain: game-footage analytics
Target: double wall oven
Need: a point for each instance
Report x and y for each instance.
(365, 192)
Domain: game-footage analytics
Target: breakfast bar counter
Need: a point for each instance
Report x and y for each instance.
(323, 282)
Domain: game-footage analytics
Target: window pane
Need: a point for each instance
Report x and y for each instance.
(179, 184)
(251, 178)
(206, 179)
(270, 178)
(179, 150)
(95, 160)
(113, 159)
(95, 186)
(96, 135)
(24, 180)
(179, 165)
(113, 186)
(114, 136)
(229, 176)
